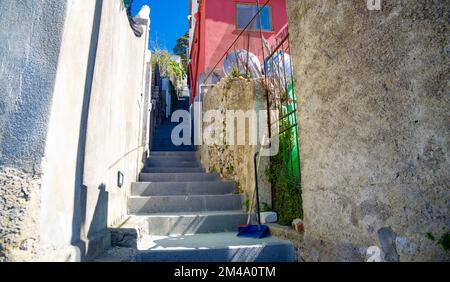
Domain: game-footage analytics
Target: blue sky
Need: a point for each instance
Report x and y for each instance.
(168, 20)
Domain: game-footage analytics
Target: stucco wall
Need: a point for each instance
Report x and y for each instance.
(114, 129)
(73, 88)
(374, 123)
(30, 37)
(235, 162)
(62, 210)
(28, 59)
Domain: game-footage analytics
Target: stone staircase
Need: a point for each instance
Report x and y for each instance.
(180, 213)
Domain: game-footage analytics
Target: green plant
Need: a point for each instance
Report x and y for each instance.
(231, 168)
(285, 181)
(238, 187)
(266, 207)
(235, 72)
(247, 204)
(175, 69)
(181, 49)
(168, 67)
(443, 241)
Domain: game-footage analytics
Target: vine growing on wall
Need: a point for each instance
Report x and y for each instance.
(168, 67)
(286, 185)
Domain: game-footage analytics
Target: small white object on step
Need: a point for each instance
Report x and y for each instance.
(297, 225)
(373, 254)
(269, 217)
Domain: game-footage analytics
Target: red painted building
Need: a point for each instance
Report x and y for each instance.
(217, 24)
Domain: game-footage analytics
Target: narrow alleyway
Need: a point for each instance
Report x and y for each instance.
(180, 213)
(331, 116)
(162, 137)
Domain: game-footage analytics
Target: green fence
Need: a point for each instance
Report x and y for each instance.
(284, 172)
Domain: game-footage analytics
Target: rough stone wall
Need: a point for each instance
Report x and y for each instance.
(19, 206)
(374, 126)
(235, 162)
(288, 233)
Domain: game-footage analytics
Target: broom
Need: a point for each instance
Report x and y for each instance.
(259, 230)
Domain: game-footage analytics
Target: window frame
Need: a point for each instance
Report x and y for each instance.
(269, 6)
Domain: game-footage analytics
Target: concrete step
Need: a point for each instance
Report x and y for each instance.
(193, 203)
(178, 177)
(166, 224)
(162, 137)
(175, 149)
(173, 158)
(118, 254)
(172, 169)
(167, 144)
(217, 247)
(167, 124)
(165, 127)
(206, 222)
(164, 134)
(172, 163)
(173, 154)
(163, 143)
(166, 139)
(148, 189)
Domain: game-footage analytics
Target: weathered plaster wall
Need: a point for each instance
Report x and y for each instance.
(235, 162)
(374, 117)
(62, 209)
(72, 83)
(28, 59)
(30, 38)
(116, 120)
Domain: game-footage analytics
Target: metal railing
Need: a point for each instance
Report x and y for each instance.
(252, 56)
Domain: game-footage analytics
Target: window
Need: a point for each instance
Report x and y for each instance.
(245, 13)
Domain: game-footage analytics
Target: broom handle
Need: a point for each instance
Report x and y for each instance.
(255, 191)
(249, 218)
(257, 188)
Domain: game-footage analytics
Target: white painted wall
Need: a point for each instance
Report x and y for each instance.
(60, 162)
(195, 7)
(73, 214)
(116, 111)
(165, 83)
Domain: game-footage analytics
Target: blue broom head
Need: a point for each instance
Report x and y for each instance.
(254, 231)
